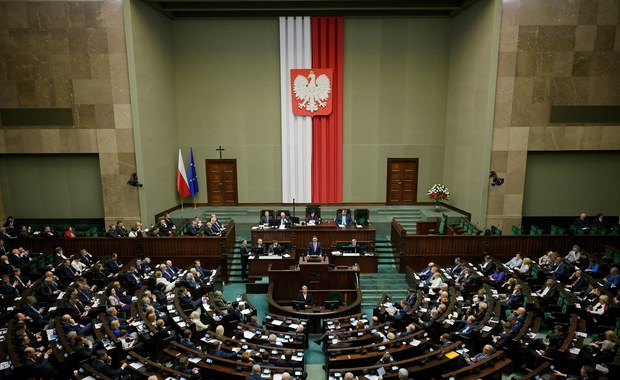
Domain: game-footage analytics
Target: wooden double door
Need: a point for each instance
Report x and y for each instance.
(222, 182)
(402, 181)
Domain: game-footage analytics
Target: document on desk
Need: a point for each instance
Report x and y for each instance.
(248, 334)
(270, 257)
(293, 326)
(136, 365)
(350, 254)
(277, 322)
(486, 328)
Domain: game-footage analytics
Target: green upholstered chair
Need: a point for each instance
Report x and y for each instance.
(362, 216)
(516, 230)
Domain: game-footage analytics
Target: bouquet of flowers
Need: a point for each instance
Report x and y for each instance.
(438, 193)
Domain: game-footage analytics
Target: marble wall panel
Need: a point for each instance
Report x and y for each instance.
(566, 54)
(71, 54)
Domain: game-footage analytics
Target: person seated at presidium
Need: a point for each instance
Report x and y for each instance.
(314, 247)
(344, 218)
(312, 218)
(283, 221)
(266, 219)
(353, 247)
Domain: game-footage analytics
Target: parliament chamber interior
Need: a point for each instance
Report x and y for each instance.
(338, 190)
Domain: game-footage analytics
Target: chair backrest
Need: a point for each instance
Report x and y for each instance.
(517, 230)
(362, 216)
(313, 208)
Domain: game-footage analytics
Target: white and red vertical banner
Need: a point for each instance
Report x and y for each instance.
(311, 79)
(295, 53)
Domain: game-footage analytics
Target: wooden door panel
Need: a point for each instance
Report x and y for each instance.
(222, 182)
(402, 181)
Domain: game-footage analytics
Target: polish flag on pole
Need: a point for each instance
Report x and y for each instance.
(182, 185)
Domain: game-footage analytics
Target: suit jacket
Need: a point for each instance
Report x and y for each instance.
(307, 300)
(106, 369)
(112, 233)
(265, 220)
(287, 221)
(66, 271)
(191, 230)
(347, 220)
(245, 253)
(488, 267)
(188, 343)
(112, 266)
(312, 251)
(224, 354)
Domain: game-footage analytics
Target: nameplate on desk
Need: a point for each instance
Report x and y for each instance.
(270, 257)
(336, 253)
(350, 254)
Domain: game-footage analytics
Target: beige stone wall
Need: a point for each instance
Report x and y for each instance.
(561, 52)
(71, 54)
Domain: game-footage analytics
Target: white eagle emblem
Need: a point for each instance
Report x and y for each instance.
(312, 92)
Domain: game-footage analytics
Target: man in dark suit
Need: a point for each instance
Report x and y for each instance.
(121, 231)
(245, 256)
(112, 264)
(47, 232)
(344, 218)
(222, 353)
(164, 229)
(132, 279)
(67, 271)
(186, 340)
(38, 366)
(576, 282)
(266, 219)
(233, 312)
(8, 290)
(314, 247)
(192, 229)
(283, 220)
(288, 360)
(102, 364)
(488, 267)
(305, 297)
(112, 232)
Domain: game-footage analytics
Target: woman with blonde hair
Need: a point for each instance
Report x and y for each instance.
(194, 317)
(160, 279)
(525, 268)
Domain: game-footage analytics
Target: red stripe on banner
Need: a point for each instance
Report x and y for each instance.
(327, 40)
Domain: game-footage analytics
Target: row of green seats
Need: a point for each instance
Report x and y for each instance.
(535, 230)
(495, 231)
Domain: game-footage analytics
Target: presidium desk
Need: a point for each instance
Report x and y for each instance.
(329, 234)
(339, 283)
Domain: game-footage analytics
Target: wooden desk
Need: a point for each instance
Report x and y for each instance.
(285, 284)
(327, 233)
(366, 263)
(259, 266)
(183, 250)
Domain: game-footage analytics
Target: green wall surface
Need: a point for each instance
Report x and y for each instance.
(153, 98)
(227, 75)
(48, 186)
(470, 107)
(567, 183)
(399, 79)
(395, 84)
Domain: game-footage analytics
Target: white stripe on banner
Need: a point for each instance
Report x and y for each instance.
(295, 53)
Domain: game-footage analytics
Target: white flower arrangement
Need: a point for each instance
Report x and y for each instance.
(438, 192)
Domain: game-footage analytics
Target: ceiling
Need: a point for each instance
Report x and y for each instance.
(205, 9)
